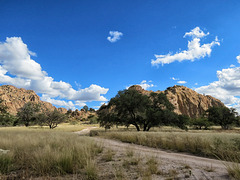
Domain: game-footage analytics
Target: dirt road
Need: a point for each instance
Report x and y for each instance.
(200, 168)
(85, 131)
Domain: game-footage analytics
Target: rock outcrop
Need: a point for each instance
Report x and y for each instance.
(81, 115)
(185, 100)
(188, 102)
(15, 98)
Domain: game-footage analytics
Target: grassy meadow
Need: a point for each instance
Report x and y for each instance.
(58, 153)
(209, 143)
(218, 144)
(46, 153)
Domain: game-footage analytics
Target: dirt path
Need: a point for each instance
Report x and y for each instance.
(85, 131)
(201, 168)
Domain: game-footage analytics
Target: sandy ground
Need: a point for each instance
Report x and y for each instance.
(185, 166)
(201, 168)
(85, 131)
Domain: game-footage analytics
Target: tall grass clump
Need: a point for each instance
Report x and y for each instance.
(232, 163)
(44, 153)
(215, 145)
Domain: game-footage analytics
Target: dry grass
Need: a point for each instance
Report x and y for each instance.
(203, 144)
(108, 155)
(36, 153)
(74, 127)
(220, 145)
(63, 127)
(233, 168)
(152, 165)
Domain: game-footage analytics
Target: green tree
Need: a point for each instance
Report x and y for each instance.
(201, 122)
(92, 110)
(106, 119)
(28, 113)
(69, 112)
(159, 111)
(3, 108)
(6, 119)
(142, 111)
(85, 108)
(222, 116)
(53, 118)
(181, 121)
(130, 107)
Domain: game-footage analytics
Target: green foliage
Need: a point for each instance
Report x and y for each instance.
(105, 118)
(222, 116)
(131, 107)
(69, 113)
(92, 110)
(85, 108)
(5, 163)
(201, 122)
(7, 119)
(92, 119)
(53, 118)
(28, 113)
(181, 121)
(3, 109)
(159, 111)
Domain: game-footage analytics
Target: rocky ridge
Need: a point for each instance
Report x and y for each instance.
(185, 100)
(15, 98)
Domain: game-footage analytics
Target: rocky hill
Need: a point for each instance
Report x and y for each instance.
(185, 100)
(15, 98)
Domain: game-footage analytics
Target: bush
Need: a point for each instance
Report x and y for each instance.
(7, 119)
(94, 133)
(93, 119)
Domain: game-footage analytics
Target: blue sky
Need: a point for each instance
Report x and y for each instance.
(79, 52)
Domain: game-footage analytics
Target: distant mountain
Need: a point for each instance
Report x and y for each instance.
(15, 98)
(185, 100)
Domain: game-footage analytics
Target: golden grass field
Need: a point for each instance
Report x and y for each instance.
(45, 153)
(39, 152)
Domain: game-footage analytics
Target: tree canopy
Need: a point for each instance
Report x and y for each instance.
(223, 116)
(28, 113)
(129, 107)
(53, 118)
(6, 119)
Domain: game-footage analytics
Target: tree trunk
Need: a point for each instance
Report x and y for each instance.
(148, 128)
(144, 127)
(137, 127)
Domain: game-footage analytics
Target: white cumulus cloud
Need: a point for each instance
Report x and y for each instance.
(144, 84)
(182, 82)
(226, 88)
(178, 80)
(173, 78)
(238, 58)
(114, 36)
(19, 69)
(63, 103)
(195, 49)
(16, 59)
(196, 32)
